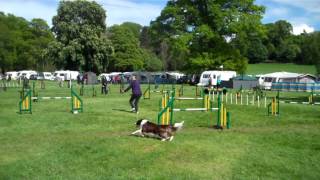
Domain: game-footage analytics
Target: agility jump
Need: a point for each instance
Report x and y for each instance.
(25, 103)
(274, 106)
(165, 116)
(148, 91)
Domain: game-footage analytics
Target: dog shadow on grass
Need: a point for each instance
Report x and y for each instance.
(122, 110)
(213, 127)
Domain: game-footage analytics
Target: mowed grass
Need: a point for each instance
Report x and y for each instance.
(264, 68)
(52, 143)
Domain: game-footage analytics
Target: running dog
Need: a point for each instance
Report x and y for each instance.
(163, 132)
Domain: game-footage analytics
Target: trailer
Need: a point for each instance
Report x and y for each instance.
(213, 77)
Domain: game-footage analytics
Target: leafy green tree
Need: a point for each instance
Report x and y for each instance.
(145, 38)
(80, 27)
(7, 49)
(280, 42)
(127, 54)
(279, 31)
(22, 43)
(257, 52)
(133, 27)
(310, 49)
(151, 61)
(287, 51)
(42, 37)
(204, 26)
(249, 39)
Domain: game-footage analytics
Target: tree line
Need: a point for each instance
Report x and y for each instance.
(189, 36)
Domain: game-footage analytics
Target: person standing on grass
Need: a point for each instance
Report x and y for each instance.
(104, 85)
(136, 93)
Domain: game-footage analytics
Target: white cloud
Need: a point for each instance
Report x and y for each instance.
(300, 28)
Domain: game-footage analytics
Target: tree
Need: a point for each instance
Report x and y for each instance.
(128, 55)
(133, 27)
(42, 37)
(145, 38)
(280, 42)
(22, 43)
(257, 52)
(200, 28)
(151, 61)
(80, 27)
(310, 49)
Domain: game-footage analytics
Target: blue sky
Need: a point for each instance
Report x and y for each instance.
(302, 14)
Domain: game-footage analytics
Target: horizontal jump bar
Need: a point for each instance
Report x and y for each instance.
(51, 98)
(160, 91)
(188, 98)
(294, 102)
(195, 109)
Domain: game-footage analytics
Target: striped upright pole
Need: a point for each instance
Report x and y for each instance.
(219, 110)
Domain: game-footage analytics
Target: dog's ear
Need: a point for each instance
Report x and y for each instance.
(139, 122)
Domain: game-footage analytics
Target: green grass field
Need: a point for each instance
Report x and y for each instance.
(264, 68)
(52, 143)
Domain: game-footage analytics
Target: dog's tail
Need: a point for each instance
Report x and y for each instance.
(178, 126)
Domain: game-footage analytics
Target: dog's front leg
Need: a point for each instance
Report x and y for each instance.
(171, 138)
(137, 133)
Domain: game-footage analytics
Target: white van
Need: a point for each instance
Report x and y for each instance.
(13, 74)
(66, 75)
(214, 76)
(26, 73)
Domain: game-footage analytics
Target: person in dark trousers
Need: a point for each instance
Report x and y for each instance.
(78, 79)
(104, 87)
(136, 93)
(121, 82)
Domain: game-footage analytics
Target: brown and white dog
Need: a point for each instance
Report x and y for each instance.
(163, 132)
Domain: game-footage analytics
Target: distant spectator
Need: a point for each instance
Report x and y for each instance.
(60, 81)
(79, 79)
(218, 82)
(85, 78)
(104, 83)
(156, 82)
(224, 91)
(122, 79)
(26, 82)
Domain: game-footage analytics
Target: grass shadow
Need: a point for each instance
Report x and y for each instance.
(122, 110)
